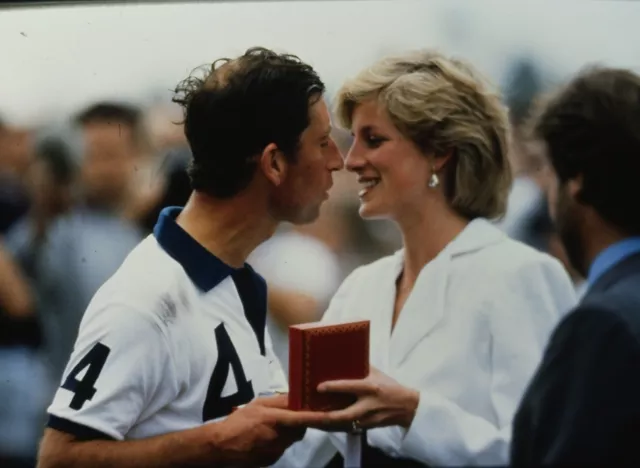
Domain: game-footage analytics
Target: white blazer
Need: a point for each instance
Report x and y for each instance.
(469, 338)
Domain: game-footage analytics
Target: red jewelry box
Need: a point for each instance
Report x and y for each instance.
(321, 351)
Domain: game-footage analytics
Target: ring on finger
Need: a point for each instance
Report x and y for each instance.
(356, 428)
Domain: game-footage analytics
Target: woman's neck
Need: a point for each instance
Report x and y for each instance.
(425, 236)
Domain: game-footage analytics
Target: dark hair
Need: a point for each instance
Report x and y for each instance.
(592, 129)
(240, 107)
(116, 113)
(59, 157)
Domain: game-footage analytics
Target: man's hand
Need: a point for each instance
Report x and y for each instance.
(255, 435)
(258, 433)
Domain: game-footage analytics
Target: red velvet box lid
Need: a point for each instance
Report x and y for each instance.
(322, 351)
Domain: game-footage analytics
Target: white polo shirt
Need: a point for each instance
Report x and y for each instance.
(174, 339)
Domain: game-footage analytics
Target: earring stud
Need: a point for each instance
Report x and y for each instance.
(434, 181)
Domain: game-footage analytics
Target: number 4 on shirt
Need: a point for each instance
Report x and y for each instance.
(84, 389)
(215, 405)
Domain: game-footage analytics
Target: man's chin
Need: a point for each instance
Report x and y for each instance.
(307, 216)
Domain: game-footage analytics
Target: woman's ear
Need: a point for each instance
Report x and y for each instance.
(437, 168)
(439, 161)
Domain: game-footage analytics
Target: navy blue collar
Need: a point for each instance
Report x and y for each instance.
(204, 269)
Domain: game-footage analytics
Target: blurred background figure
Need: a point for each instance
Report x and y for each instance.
(22, 385)
(78, 229)
(527, 218)
(30, 332)
(117, 175)
(23, 375)
(15, 153)
(171, 156)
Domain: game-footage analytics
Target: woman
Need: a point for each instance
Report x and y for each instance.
(459, 316)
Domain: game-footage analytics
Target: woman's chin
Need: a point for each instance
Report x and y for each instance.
(370, 211)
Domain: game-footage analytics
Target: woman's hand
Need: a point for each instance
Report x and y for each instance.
(381, 402)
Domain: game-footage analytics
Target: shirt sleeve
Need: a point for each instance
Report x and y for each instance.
(121, 365)
(522, 311)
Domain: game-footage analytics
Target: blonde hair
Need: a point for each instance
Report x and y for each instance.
(443, 105)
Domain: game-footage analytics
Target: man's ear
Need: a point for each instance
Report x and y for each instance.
(273, 164)
(574, 187)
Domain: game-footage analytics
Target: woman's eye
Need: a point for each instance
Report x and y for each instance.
(373, 142)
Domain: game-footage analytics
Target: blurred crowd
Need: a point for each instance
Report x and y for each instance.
(77, 196)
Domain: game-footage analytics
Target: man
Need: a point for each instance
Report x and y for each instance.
(74, 238)
(22, 372)
(176, 337)
(114, 138)
(15, 153)
(49, 182)
(120, 170)
(583, 405)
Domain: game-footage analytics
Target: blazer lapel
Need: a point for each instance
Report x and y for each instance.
(382, 299)
(422, 311)
(426, 306)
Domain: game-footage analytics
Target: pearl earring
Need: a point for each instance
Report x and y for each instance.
(434, 181)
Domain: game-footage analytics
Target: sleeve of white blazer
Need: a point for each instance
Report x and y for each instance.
(522, 308)
(317, 448)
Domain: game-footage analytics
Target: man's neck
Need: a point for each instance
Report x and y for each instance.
(229, 229)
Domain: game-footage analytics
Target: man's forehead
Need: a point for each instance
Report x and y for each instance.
(105, 130)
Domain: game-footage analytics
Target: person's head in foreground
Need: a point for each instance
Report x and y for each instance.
(258, 127)
(591, 133)
(430, 140)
